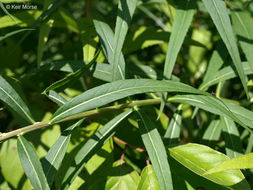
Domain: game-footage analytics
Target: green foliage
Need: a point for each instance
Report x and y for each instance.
(81, 83)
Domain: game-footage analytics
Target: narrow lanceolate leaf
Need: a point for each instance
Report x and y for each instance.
(220, 17)
(106, 37)
(125, 13)
(116, 90)
(9, 96)
(44, 32)
(92, 146)
(148, 179)
(243, 26)
(233, 143)
(13, 33)
(56, 153)
(224, 74)
(156, 151)
(181, 24)
(200, 159)
(241, 162)
(172, 134)
(216, 106)
(31, 164)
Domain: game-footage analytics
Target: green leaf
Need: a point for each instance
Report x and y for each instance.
(91, 147)
(113, 91)
(126, 10)
(148, 179)
(217, 106)
(106, 37)
(219, 13)
(31, 164)
(172, 134)
(156, 151)
(224, 74)
(56, 153)
(13, 33)
(44, 32)
(241, 162)
(181, 24)
(9, 96)
(233, 143)
(200, 158)
(242, 24)
(10, 163)
(71, 77)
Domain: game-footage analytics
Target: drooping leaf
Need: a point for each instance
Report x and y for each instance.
(31, 164)
(219, 13)
(9, 96)
(156, 151)
(172, 134)
(148, 179)
(243, 26)
(91, 147)
(200, 158)
(110, 92)
(241, 162)
(211, 104)
(126, 10)
(56, 153)
(233, 143)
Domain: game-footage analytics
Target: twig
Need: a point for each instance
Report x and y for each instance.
(91, 113)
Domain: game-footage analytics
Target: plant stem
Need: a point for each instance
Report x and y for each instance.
(91, 113)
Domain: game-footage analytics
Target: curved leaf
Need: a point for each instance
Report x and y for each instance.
(217, 106)
(148, 179)
(220, 17)
(110, 92)
(200, 158)
(9, 95)
(224, 74)
(241, 162)
(13, 33)
(31, 164)
(156, 151)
